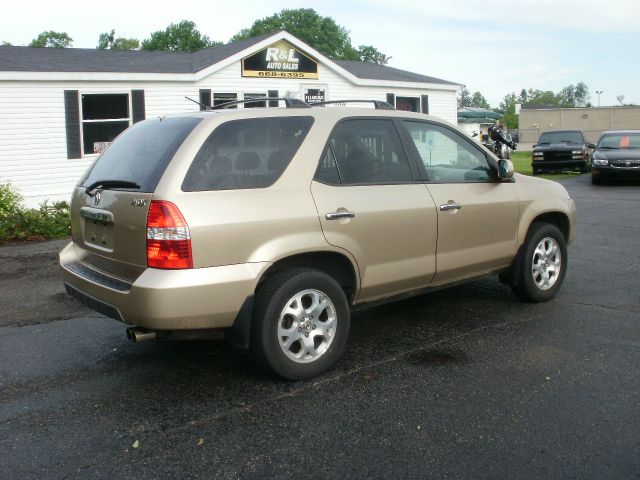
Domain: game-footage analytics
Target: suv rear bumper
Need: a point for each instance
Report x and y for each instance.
(199, 298)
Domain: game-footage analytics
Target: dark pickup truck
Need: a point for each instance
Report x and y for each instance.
(561, 150)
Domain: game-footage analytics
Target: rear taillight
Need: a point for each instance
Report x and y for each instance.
(168, 237)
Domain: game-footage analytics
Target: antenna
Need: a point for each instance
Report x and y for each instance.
(206, 107)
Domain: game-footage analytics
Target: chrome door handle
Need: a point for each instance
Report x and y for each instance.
(450, 206)
(339, 215)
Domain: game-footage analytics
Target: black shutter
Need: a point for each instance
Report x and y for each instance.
(137, 105)
(274, 94)
(425, 103)
(391, 99)
(205, 98)
(72, 120)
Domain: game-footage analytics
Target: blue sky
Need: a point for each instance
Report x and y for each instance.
(492, 47)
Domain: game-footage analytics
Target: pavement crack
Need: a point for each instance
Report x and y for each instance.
(606, 307)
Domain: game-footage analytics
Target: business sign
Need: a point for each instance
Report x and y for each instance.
(314, 95)
(280, 60)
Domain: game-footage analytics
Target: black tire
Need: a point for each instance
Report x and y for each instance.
(272, 298)
(525, 285)
(534, 171)
(595, 180)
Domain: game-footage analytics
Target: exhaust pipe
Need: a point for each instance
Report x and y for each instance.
(137, 334)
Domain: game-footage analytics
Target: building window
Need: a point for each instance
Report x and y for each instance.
(104, 117)
(248, 96)
(220, 98)
(409, 104)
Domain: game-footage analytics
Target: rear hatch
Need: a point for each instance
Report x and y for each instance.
(109, 207)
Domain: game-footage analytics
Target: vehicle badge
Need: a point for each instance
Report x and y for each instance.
(97, 197)
(627, 162)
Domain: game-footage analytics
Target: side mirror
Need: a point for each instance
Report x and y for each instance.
(591, 145)
(534, 145)
(505, 169)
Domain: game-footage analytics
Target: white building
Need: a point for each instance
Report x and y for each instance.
(60, 107)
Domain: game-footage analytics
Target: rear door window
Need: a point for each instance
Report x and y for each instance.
(365, 151)
(142, 152)
(247, 153)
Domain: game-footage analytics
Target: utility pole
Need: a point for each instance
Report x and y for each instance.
(599, 92)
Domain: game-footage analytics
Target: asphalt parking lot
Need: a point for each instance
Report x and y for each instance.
(462, 383)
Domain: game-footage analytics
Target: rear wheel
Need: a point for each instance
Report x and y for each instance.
(301, 323)
(543, 264)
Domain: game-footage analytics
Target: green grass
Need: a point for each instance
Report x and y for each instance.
(522, 164)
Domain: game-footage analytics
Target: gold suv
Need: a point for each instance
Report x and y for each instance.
(270, 224)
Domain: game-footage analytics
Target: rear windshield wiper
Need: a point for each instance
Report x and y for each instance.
(543, 143)
(102, 184)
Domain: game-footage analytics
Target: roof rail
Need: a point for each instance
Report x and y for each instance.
(377, 103)
(289, 102)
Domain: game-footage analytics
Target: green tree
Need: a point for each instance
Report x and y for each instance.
(508, 110)
(322, 33)
(478, 100)
(182, 37)
(540, 97)
(6, 44)
(109, 40)
(464, 98)
(52, 39)
(370, 54)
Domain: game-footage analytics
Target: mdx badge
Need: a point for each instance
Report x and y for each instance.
(139, 202)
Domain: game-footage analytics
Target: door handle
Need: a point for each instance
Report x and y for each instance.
(450, 206)
(339, 215)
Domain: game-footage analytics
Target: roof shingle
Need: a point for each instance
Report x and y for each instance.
(32, 59)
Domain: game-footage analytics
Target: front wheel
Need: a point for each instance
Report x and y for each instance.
(301, 323)
(543, 264)
(595, 180)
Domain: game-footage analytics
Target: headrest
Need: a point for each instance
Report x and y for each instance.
(247, 161)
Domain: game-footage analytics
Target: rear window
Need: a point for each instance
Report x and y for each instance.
(141, 153)
(248, 153)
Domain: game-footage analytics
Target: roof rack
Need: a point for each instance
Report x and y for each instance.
(292, 102)
(289, 102)
(377, 103)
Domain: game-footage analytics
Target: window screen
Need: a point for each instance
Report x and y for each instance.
(369, 151)
(446, 156)
(104, 117)
(248, 96)
(220, 98)
(248, 153)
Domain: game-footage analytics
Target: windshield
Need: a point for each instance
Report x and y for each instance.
(620, 140)
(140, 155)
(561, 137)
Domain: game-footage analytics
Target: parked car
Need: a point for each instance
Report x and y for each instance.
(561, 150)
(271, 224)
(617, 155)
